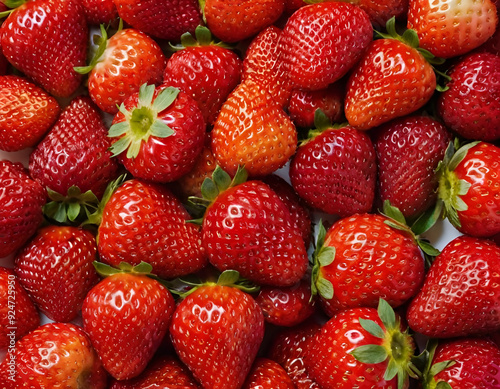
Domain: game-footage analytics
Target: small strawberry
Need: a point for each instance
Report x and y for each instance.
(99, 11)
(56, 269)
(460, 293)
(27, 112)
(21, 205)
(45, 39)
(158, 133)
(267, 374)
(126, 315)
(217, 330)
(470, 105)
(451, 28)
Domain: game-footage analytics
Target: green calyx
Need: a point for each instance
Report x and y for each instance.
(396, 348)
(72, 209)
(321, 124)
(101, 42)
(321, 257)
(142, 121)
(202, 37)
(105, 270)
(427, 371)
(12, 5)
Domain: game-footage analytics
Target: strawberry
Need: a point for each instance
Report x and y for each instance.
(56, 269)
(468, 188)
(394, 78)
(451, 28)
(408, 152)
(54, 355)
(235, 20)
(162, 131)
(205, 70)
(126, 315)
(460, 293)
(335, 171)
(27, 112)
(45, 39)
(143, 221)
(20, 206)
(321, 42)
(99, 11)
(216, 331)
(362, 347)
(18, 314)
(267, 374)
(166, 19)
(380, 12)
(121, 65)
(471, 104)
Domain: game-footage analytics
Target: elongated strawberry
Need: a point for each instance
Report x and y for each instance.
(45, 39)
(27, 112)
(267, 374)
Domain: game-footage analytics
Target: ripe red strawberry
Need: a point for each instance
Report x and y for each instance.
(460, 293)
(408, 152)
(267, 374)
(143, 221)
(380, 12)
(335, 171)
(448, 29)
(206, 71)
(99, 11)
(162, 19)
(45, 39)
(54, 355)
(471, 104)
(392, 79)
(56, 269)
(235, 20)
(469, 190)
(26, 113)
(158, 133)
(126, 315)
(20, 206)
(216, 331)
(18, 314)
(321, 42)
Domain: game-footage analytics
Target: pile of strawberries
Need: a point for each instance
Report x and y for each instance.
(236, 194)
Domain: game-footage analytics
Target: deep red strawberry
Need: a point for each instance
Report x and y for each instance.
(45, 39)
(100, 11)
(380, 12)
(267, 374)
(27, 112)
(56, 269)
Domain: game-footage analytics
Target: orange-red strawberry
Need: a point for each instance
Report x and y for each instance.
(26, 113)
(46, 39)
(267, 374)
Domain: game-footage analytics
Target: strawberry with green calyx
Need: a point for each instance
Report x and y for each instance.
(74, 208)
(424, 364)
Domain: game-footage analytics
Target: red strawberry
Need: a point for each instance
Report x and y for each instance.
(26, 113)
(206, 71)
(162, 131)
(56, 269)
(471, 104)
(267, 374)
(448, 29)
(460, 293)
(18, 314)
(216, 331)
(55, 355)
(380, 12)
(235, 20)
(408, 152)
(126, 315)
(143, 221)
(45, 39)
(99, 11)
(21, 202)
(321, 42)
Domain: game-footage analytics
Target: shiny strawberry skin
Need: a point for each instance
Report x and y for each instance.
(145, 222)
(460, 293)
(335, 172)
(56, 269)
(267, 374)
(471, 104)
(249, 229)
(131, 59)
(126, 316)
(75, 151)
(46, 48)
(99, 11)
(217, 331)
(21, 202)
(321, 42)
(391, 80)
(27, 112)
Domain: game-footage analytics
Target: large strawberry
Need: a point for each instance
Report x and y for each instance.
(216, 331)
(27, 112)
(126, 315)
(45, 39)
(267, 374)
